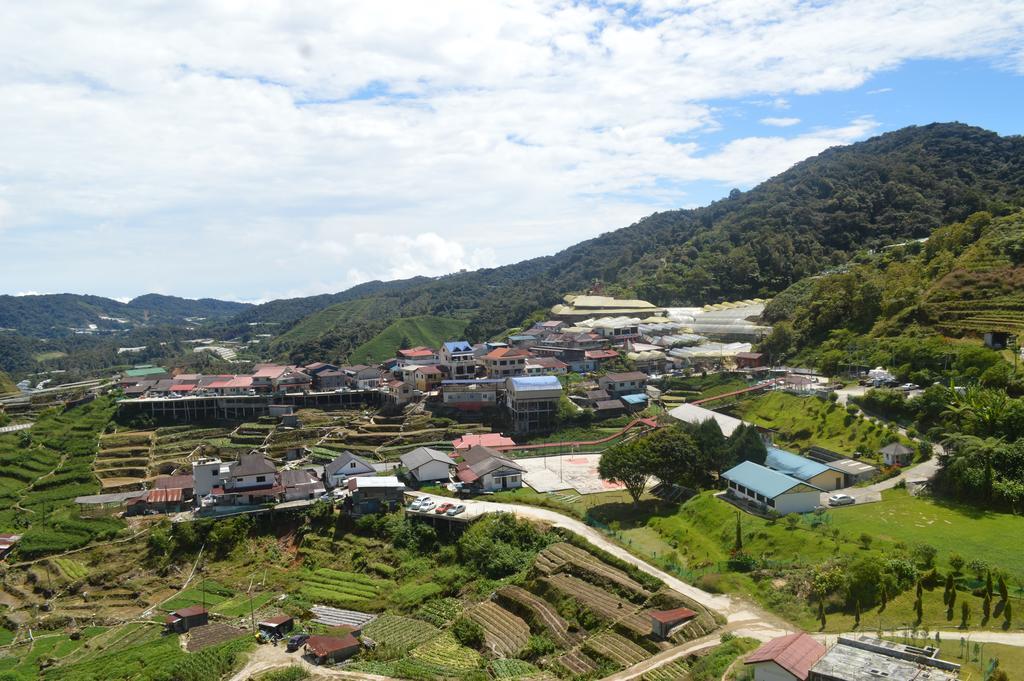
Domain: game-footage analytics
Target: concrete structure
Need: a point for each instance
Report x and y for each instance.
(813, 473)
(855, 658)
(486, 470)
(545, 366)
(472, 394)
(771, 489)
(426, 378)
(397, 392)
(619, 384)
(344, 466)
(375, 494)
(180, 621)
(207, 474)
(427, 465)
(457, 360)
(532, 402)
(418, 355)
(897, 454)
(787, 658)
(361, 377)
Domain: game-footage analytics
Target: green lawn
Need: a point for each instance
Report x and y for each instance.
(949, 527)
(427, 330)
(803, 421)
(1011, 658)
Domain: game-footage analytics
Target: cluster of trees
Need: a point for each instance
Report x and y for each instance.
(689, 455)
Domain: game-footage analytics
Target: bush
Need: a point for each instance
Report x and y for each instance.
(468, 633)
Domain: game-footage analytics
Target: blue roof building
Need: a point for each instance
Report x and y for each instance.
(817, 474)
(771, 489)
(458, 346)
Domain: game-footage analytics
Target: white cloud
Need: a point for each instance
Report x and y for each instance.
(780, 122)
(251, 145)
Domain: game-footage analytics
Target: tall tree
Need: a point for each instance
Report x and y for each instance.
(631, 464)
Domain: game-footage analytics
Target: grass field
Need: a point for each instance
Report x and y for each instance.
(803, 421)
(949, 527)
(1011, 658)
(427, 330)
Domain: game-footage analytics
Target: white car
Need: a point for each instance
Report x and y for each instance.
(840, 500)
(427, 505)
(417, 503)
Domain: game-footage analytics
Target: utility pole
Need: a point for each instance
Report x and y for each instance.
(252, 614)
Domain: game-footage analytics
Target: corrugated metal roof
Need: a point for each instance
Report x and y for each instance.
(528, 383)
(762, 480)
(793, 465)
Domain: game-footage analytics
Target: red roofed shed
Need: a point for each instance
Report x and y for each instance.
(182, 620)
(663, 621)
(331, 648)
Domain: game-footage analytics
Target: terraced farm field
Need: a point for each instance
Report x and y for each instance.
(400, 633)
(616, 648)
(535, 610)
(504, 633)
(601, 602)
(566, 557)
(337, 587)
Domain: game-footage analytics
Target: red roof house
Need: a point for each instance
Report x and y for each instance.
(492, 440)
(182, 620)
(787, 657)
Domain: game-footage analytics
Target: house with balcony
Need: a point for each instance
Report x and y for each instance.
(505, 362)
(472, 394)
(532, 402)
(627, 383)
(458, 360)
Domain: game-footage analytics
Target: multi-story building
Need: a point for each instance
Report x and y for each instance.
(458, 360)
(532, 402)
(505, 362)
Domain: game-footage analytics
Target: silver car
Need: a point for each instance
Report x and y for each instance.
(456, 510)
(840, 500)
(417, 503)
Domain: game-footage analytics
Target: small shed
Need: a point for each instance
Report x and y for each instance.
(325, 649)
(277, 626)
(787, 658)
(182, 620)
(897, 454)
(664, 621)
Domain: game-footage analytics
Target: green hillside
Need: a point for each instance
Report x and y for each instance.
(6, 384)
(814, 216)
(429, 331)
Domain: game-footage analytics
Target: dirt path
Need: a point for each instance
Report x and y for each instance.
(268, 657)
(665, 657)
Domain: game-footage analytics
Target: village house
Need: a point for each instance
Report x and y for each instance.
(486, 470)
(532, 402)
(331, 379)
(619, 384)
(361, 377)
(471, 394)
(770, 489)
(787, 658)
(427, 465)
(897, 454)
(180, 621)
(344, 466)
(545, 366)
(317, 369)
(505, 362)
(397, 392)
(457, 360)
(292, 381)
(264, 376)
(300, 485)
(375, 494)
(417, 355)
(426, 378)
(749, 360)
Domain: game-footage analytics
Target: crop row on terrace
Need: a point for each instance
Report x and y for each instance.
(400, 633)
(564, 556)
(616, 648)
(536, 611)
(504, 633)
(604, 604)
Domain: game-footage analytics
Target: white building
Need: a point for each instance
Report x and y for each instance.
(427, 465)
(344, 466)
(771, 489)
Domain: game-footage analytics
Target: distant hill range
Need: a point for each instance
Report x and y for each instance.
(58, 314)
(888, 189)
(892, 188)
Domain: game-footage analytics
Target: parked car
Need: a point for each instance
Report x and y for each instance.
(296, 642)
(455, 510)
(417, 503)
(443, 508)
(840, 500)
(427, 505)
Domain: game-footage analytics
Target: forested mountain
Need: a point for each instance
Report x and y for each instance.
(887, 189)
(56, 315)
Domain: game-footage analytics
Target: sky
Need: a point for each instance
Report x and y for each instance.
(251, 151)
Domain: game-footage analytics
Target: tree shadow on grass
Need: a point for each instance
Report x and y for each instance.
(629, 516)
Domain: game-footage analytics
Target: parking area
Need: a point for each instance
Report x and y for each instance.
(577, 472)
